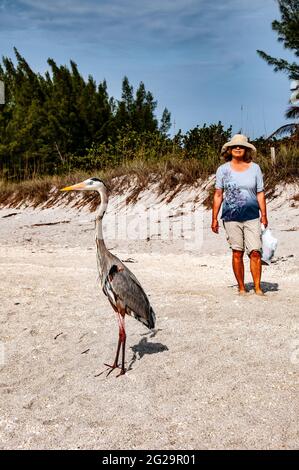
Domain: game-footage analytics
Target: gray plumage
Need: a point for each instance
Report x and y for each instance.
(123, 289)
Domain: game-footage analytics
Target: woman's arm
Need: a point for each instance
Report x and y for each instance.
(217, 201)
(263, 208)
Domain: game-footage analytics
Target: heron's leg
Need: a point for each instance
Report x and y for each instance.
(115, 363)
(121, 340)
(117, 351)
(122, 336)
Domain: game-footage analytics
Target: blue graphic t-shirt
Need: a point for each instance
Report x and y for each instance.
(240, 189)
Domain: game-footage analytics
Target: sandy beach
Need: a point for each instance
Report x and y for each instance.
(219, 372)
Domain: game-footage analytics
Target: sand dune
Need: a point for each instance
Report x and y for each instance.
(220, 371)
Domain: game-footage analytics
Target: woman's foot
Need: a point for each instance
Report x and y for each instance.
(243, 292)
(259, 292)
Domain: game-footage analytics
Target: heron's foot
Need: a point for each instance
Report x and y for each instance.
(114, 366)
(122, 372)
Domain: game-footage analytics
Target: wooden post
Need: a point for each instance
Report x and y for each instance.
(273, 157)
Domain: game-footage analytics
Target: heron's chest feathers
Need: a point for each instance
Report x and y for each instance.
(108, 283)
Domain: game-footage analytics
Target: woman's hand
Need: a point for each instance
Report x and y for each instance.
(215, 226)
(262, 205)
(264, 220)
(217, 201)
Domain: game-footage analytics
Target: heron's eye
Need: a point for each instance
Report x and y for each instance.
(90, 182)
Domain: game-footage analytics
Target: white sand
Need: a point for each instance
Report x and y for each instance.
(221, 370)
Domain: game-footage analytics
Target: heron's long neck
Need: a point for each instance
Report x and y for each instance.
(101, 247)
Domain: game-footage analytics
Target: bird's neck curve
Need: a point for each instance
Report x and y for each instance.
(101, 247)
(101, 212)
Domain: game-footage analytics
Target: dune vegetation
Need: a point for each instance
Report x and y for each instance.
(59, 128)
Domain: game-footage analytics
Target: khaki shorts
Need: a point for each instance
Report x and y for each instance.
(244, 235)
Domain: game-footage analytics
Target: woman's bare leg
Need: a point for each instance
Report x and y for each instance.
(238, 268)
(256, 271)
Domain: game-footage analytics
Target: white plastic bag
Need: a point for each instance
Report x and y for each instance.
(269, 245)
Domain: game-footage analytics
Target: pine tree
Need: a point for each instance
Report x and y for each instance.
(51, 123)
(165, 123)
(288, 33)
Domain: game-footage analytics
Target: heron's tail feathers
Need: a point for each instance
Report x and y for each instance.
(150, 319)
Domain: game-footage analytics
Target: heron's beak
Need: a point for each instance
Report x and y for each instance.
(75, 187)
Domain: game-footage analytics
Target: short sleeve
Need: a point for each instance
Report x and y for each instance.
(259, 180)
(219, 179)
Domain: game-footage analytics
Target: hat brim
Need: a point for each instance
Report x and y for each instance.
(242, 144)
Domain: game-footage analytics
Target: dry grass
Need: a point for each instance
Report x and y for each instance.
(170, 175)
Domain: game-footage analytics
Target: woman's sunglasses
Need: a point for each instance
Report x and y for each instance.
(238, 147)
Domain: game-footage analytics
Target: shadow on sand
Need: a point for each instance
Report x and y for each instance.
(144, 347)
(266, 286)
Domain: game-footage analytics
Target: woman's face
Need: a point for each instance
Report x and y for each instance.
(238, 151)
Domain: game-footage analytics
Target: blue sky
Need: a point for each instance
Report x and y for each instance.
(198, 57)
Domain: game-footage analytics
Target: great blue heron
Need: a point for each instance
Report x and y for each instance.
(119, 284)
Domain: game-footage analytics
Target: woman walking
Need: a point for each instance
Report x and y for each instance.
(239, 185)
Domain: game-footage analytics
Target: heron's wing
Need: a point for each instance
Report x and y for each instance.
(122, 286)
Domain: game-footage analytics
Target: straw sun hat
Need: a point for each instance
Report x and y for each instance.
(238, 139)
